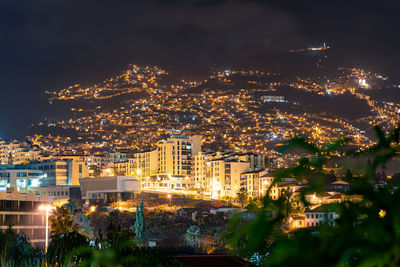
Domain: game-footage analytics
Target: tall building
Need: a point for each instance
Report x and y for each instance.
(143, 164)
(170, 165)
(200, 171)
(218, 173)
(175, 155)
(225, 177)
(257, 162)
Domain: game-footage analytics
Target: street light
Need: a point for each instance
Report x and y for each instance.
(169, 196)
(47, 208)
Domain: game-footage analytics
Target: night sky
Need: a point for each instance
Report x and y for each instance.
(51, 44)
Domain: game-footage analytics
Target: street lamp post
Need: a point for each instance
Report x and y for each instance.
(169, 196)
(47, 208)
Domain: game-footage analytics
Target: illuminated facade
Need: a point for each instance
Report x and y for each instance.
(225, 177)
(175, 155)
(17, 152)
(322, 214)
(143, 164)
(251, 182)
(22, 211)
(19, 179)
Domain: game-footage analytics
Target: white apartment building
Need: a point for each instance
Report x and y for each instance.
(175, 155)
(143, 164)
(200, 173)
(115, 156)
(109, 188)
(251, 181)
(276, 190)
(323, 214)
(17, 152)
(225, 177)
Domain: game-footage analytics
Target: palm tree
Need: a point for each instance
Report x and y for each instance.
(242, 196)
(61, 222)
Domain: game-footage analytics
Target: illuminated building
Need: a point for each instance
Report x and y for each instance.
(121, 168)
(17, 152)
(18, 178)
(60, 172)
(257, 162)
(199, 178)
(109, 188)
(251, 181)
(115, 157)
(22, 212)
(175, 155)
(225, 177)
(143, 164)
(322, 214)
(276, 190)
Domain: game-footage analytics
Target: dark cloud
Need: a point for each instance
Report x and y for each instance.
(50, 44)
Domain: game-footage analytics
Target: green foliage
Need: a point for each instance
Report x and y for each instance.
(139, 223)
(16, 249)
(192, 236)
(252, 206)
(61, 245)
(122, 255)
(71, 206)
(84, 225)
(61, 221)
(367, 232)
(116, 235)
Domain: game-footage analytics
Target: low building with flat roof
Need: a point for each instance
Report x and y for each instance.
(109, 188)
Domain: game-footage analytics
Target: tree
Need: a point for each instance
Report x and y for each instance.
(96, 170)
(139, 223)
(61, 222)
(123, 255)
(71, 206)
(242, 196)
(85, 227)
(192, 236)
(65, 244)
(116, 235)
(16, 249)
(199, 217)
(252, 206)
